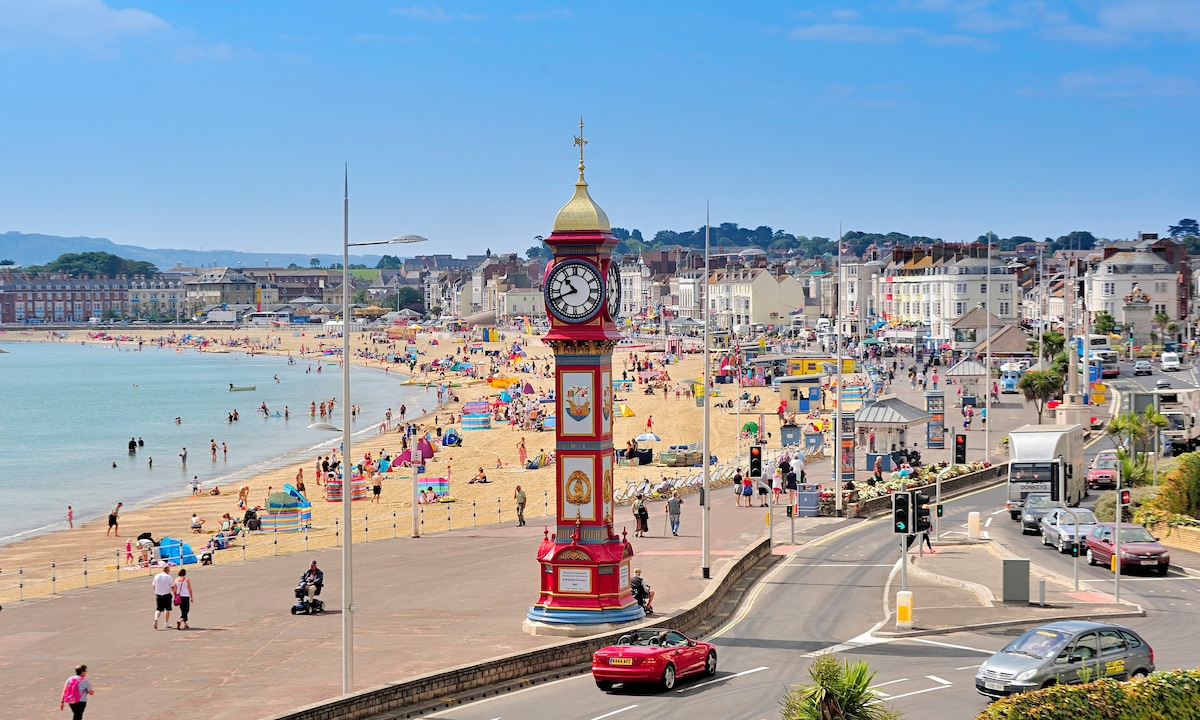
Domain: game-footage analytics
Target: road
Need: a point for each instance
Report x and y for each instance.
(828, 597)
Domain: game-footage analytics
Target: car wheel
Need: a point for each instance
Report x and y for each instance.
(1045, 540)
(1015, 516)
(668, 678)
(710, 663)
(1139, 674)
(1049, 683)
(1163, 569)
(604, 685)
(1090, 557)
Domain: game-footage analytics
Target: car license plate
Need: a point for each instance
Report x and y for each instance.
(1149, 562)
(993, 685)
(620, 661)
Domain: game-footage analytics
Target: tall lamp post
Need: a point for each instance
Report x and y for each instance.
(347, 534)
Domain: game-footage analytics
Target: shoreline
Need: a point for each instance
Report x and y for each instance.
(492, 450)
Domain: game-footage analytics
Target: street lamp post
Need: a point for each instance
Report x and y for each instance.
(347, 534)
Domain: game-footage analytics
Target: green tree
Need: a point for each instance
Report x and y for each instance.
(1103, 323)
(7, 262)
(314, 263)
(1186, 226)
(1040, 386)
(839, 691)
(542, 251)
(1134, 433)
(95, 264)
(1051, 344)
(389, 262)
(1161, 321)
(411, 298)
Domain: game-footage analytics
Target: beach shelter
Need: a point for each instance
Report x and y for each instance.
(440, 485)
(425, 448)
(450, 438)
(528, 389)
(176, 552)
(286, 512)
(623, 410)
(750, 427)
(475, 407)
(359, 490)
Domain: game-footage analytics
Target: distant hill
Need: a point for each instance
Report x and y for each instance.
(37, 249)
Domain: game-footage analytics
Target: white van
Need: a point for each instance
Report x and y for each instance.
(1169, 362)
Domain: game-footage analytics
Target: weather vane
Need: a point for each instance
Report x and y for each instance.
(580, 141)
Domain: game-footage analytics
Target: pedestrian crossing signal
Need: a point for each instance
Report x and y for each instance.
(960, 449)
(1125, 497)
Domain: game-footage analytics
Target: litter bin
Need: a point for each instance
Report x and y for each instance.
(808, 500)
(789, 435)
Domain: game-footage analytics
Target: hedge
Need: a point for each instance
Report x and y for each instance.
(1164, 695)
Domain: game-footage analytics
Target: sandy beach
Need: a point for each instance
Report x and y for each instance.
(676, 419)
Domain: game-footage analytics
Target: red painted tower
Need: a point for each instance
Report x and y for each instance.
(584, 566)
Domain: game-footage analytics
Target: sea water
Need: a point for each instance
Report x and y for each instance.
(71, 409)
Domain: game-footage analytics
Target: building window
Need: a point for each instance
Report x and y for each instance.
(1005, 288)
(960, 288)
(983, 288)
(959, 309)
(1160, 287)
(1108, 288)
(1005, 308)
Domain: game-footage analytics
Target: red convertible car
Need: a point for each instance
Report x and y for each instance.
(652, 655)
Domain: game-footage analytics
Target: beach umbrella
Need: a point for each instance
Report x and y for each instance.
(648, 437)
(870, 341)
(751, 427)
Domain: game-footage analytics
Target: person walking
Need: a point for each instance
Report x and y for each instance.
(519, 496)
(737, 486)
(522, 453)
(641, 516)
(184, 597)
(75, 692)
(114, 520)
(674, 510)
(163, 595)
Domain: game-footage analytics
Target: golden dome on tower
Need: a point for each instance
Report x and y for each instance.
(581, 212)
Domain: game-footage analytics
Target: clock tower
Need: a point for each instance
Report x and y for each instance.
(584, 566)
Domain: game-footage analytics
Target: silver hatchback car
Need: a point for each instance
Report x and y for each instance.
(1072, 651)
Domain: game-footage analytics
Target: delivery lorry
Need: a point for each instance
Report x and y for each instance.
(1039, 457)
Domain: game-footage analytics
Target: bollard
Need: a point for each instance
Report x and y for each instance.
(973, 525)
(904, 610)
(1042, 592)
(85, 580)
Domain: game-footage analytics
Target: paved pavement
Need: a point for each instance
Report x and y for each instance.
(423, 604)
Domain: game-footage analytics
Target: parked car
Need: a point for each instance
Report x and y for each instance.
(1103, 470)
(1058, 527)
(1036, 505)
(1139, 548)
(1143, 367)
(1055, 654)
(1169, 362)
(652, 655)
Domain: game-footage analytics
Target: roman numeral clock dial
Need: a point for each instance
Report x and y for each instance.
(574, 291)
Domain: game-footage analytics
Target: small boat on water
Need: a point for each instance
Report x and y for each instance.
(241, 388)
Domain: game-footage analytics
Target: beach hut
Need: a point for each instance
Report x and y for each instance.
(286, 512)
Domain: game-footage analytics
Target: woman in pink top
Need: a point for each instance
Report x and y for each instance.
(184, 596)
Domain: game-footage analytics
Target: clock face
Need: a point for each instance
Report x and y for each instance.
(574, 291)
(614, 290)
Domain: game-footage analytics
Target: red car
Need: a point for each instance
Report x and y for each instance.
(1103, 472)
(1139, 548)
(653, 655)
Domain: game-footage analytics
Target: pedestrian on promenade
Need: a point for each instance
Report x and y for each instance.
(641, 516)
(75, 692)
(737, 487)
(184, 597)
(114, 521)
(163, 595)
(674, 510)
(519, 496)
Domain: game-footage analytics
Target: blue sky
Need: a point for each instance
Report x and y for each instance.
(225, 124)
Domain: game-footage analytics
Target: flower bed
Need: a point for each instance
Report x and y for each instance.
(875, 499)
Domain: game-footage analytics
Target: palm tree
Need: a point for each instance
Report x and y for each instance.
(1131, 431)
(840, 691)
(1161, 320)
(1039, 386)
(1052, 343)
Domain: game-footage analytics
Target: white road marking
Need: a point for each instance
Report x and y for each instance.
(722, 679)
(889, 682)
(614, 712)
(985, 535)
(951, 645)
(1000, 511)
(937, 679)
(987, 523)
(861, 641)
(918, 692)
(843, 565)
(968, 667)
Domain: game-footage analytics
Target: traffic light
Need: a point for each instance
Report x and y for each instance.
(960, 449)
(901, 520)
(1055, 482)
(923, 521)
(1125, 497)
(756, 461)
(939, 510)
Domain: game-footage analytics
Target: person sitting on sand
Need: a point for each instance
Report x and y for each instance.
(197, 523)
(480, 477)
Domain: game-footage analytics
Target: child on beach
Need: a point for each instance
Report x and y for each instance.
(70, 517)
